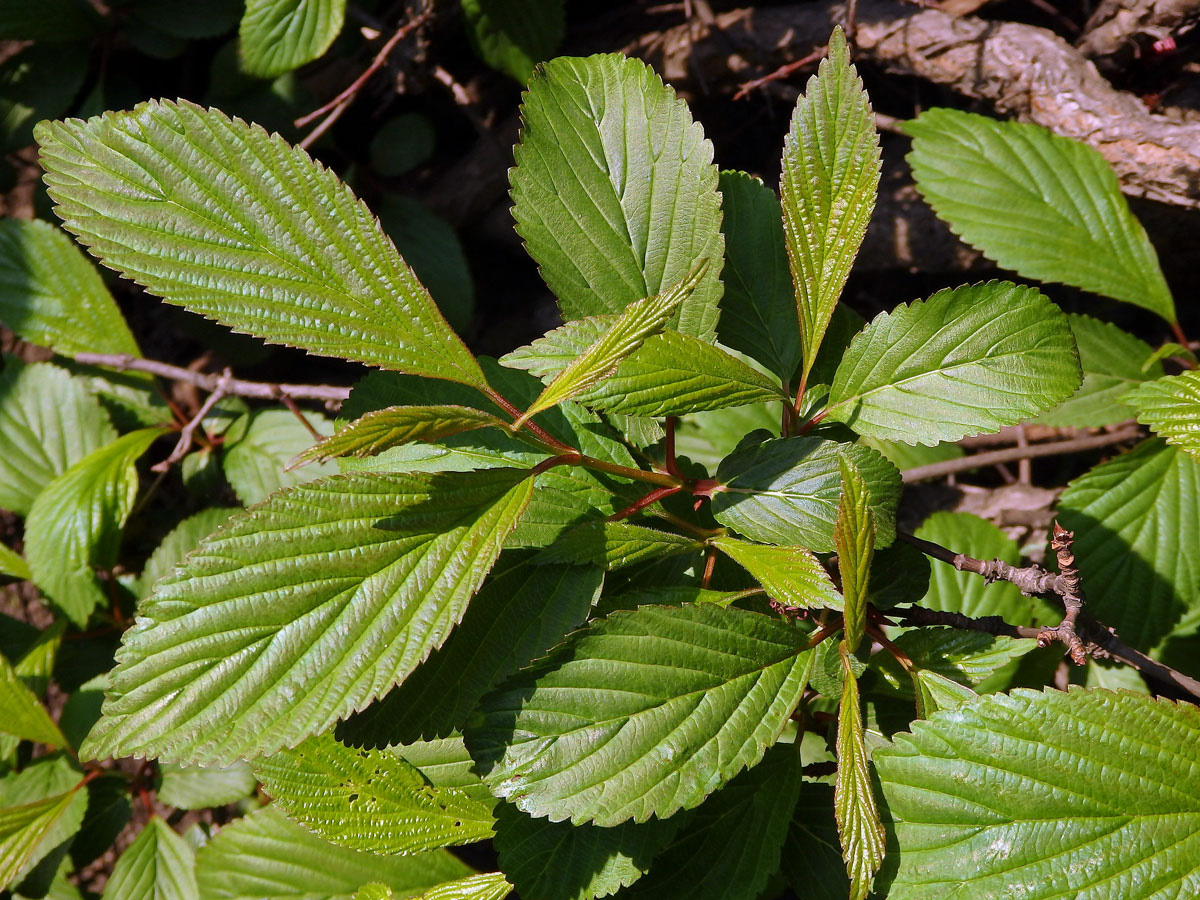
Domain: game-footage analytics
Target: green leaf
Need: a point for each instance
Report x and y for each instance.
(560, 861)
(257, 464)
(1045, 206)
(21, 713)
(75, 524)
(158, 865)
(707, 438)
(182, 539)
(909, 456)
(854, 538)
(1136, 520)
(730, 847)
(790, 575)
(46, 20)
(614, 190)
(830, 175)
(284, 251)
(200, 787)
(786, 491)
(628, 331)
(399, 145)
(934, 692)
(1170, 407)
(521, 612)
(30, 829)
(369, 800)
(489, 886)
(966, 361)
(859, 827)
(1113, 361)
(396, 425)
(1170, 350)
(513, 36)
(266, 857)
(12, 564)
(615, 545)
(812, 854)
(643, 713)
(277, 36)
(52, 296)
(447, 764)
(40, 81)
(980, 661)
(1041, 795)
(48, 422)
(301, 610)
(758, 310)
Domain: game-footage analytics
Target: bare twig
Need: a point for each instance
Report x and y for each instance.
(188, 432)
(1121, 29)
(1067, 588)
(1013, 454)
(782, 72)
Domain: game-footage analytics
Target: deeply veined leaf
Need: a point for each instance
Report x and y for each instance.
(623, 337)
(966, 361)
(257, 463)
(35, 827)
(831, 167)
(181, 540)
(277, 36)
(200, 787)
(301, 610)
(758, 310)
(21, 713)
(854, 538)
(560, 861)
(369, 800)
(521, 612)
(614, 190)
(1136, 520)
(615, 545)
(854, 805)
(266, 855)
(790, 575)
(447, 764)
(981, 661)
(51, 295)
(812, 857)
(1113, 361)
(786, 491)
(643, 713)
(488, 886)
(48, 422)
(284, 250)
(1047, 795)
(75, 523)
(396, 425)
(513, 36)
(1042, 205)
(1171, 408)
(158, 865)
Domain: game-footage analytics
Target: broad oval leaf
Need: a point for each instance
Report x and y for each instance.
(369, 800)
(1171, 408)
(201, 787)
(283, 250)
(488, 886)
(513, 36)
(790, 575)
(33, 826)
(1087, 794)
(786, 491)
(643, 713)
(966, 361)
(614, 190)
(1042, 205)
(615, 545)
(181, 540)
(158, 865)
(256, 464)
(301, 610)
(395, 425)
(22, 713)
(280, 35)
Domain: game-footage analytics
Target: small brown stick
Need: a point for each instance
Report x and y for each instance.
(782, 72)
(1033, 580)
(299, 414)
(642, 502)
(188, 432)
(1072, 597)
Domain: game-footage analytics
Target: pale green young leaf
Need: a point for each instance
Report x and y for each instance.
(284, 250)
(32, 828)
(830, 174)
(786, 491)
(1113, 361)
(486, 886)
(729, 848)
(257, 463)
(75, 524)
(521, 612)
(861, 831)
(276, 36)
(614, 190)
(513, 36)
(1170, 407)
(966, 361)
(1045, 206)
(790, 575)
(643, 713)
(615, 545)
(181, 540)
(1168, 350)
(980, 661)
(52, 296)
(758, 310)
(301, 610)
(934, 692)
(561, 861)
(158, 865)
(21, 713)
(369, 800)
(1136, 520)
(854, 540)
(1047, 795)
(12, 564)
(623, 337)
(201, 787)
(48, 422)
(395, 425)
(264, 855)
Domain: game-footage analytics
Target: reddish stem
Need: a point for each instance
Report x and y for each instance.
(642, 502)
(710, 562)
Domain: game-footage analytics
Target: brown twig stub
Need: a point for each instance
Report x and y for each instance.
(1015, 454)
(187, 433)
(1068, 590)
